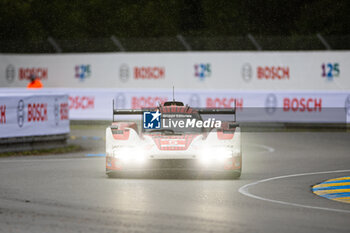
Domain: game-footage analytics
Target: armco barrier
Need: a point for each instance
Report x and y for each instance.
(33, 120)
(33, 142)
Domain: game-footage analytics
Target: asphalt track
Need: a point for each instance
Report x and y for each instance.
(70, 193)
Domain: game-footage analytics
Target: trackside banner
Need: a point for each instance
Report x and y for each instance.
(33, 114)
(315, 70)
(252, 106)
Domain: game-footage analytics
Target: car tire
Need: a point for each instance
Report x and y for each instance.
(236, 174)
(112, 174)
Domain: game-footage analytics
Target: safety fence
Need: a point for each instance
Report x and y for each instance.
(179, 43)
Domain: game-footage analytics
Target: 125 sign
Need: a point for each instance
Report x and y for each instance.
(330, 70)
(202, 70)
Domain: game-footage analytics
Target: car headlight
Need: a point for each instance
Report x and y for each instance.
(215, 154)
(129, 154)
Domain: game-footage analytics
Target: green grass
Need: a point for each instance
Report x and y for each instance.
(61, 150)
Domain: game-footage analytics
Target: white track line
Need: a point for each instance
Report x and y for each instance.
(268, 148)
(244, 190)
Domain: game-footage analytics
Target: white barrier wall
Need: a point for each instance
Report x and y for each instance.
(28, 114)
(185, 70)
(266, 106)
(285, 82)
(258, 106)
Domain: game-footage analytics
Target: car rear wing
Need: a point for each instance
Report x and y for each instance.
(127, 112)
(221, 111)
(217, 111)
(199, 110)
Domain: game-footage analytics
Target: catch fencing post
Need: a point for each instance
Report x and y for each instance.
(323, 41)
(184, 42)
(117, 43)
(255, 43)
(54, 44)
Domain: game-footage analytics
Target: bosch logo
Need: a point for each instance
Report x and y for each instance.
(273, 72)
(20, 113)
(10, 73)
(224, 102)
(247, 72)
(64, 111)
(2, 114)
(56, 112)
(124, 72)
(302, 104)
(37, 112)
(40, 73)
(146, 101)
(270, 104)
(347, 105)
(149, 72)
(81, 102)
(195, 100)
(120, 101)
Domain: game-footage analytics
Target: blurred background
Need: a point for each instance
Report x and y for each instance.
(36, 26)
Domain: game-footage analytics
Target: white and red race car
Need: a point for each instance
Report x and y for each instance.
(174, 137)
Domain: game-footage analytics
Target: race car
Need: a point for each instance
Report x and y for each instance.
(174, 137)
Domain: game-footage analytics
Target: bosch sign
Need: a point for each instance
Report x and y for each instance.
(146, 101)
(2, 114)
(32, 114)
(37, 112)
(265, 72)
(64, 111)
(223, 102)
(81, 102)
(149, 72)
(302, 104)
(25, 73)
(273, 72)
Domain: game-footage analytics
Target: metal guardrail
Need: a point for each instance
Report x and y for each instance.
(33, 142)
(179, 43)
